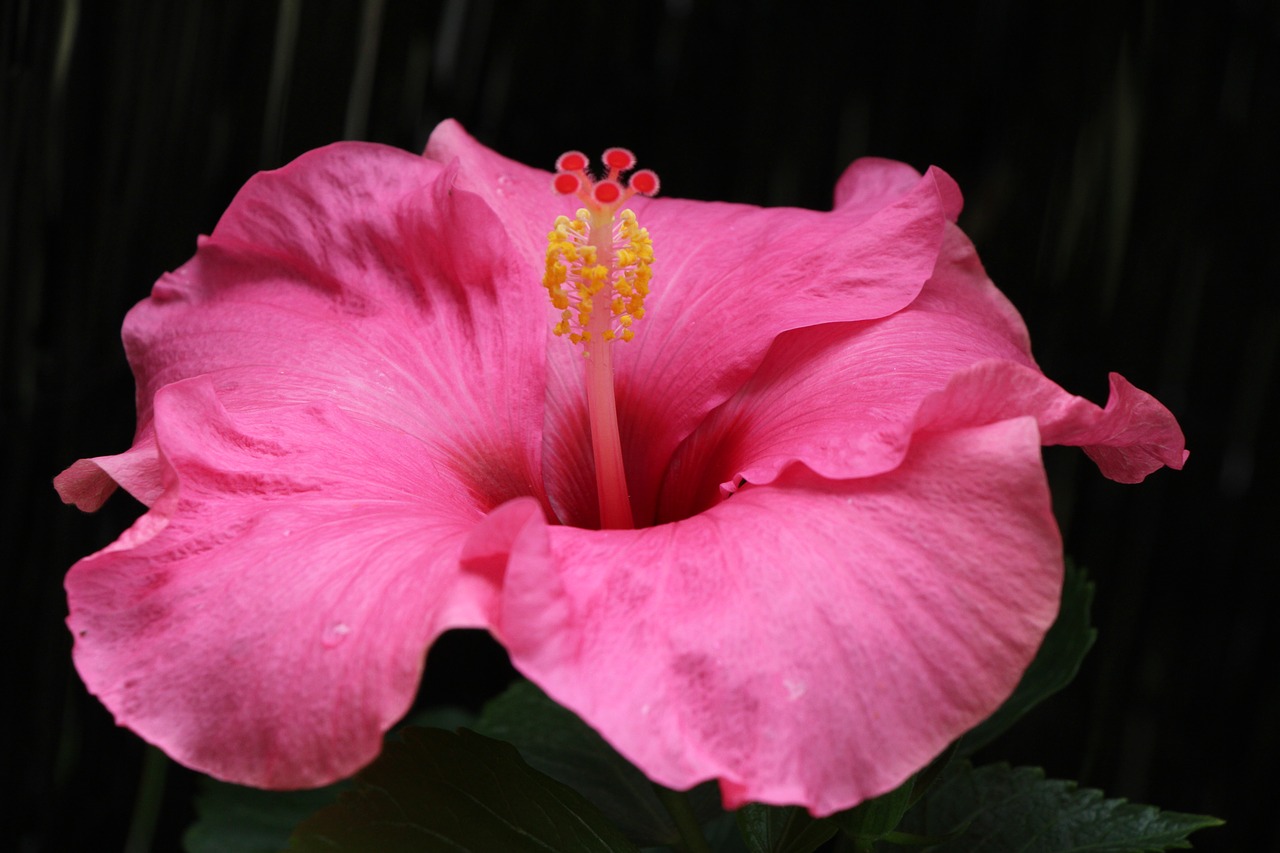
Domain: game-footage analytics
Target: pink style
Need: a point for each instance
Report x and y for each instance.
(357, 429)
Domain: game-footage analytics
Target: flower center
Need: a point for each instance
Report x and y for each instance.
(597, 275)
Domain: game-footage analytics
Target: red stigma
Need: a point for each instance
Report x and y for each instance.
(619, 159)
(644, 182)
(565, 183)
(606, 192)
(571, 161)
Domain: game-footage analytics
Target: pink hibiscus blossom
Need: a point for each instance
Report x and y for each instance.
(356, 431)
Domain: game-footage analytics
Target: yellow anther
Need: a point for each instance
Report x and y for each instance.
(584, 259)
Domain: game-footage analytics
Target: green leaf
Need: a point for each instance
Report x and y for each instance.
(1000, 808)
(782, 829)
(722, 834)
(874, 819)
(1055, 665)
(234, 819)
(440, 791)
(447, 717)
(556, 742)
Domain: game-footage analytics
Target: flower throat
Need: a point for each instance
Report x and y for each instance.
(597, 275)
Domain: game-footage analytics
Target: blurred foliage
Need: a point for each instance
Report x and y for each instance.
(1118, 162)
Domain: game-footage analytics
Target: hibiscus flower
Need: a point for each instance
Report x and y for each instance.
(358, 429)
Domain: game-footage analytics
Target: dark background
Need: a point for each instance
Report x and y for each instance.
(1119, 165)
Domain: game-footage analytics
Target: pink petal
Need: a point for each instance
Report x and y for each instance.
(845, 399)
(1129, 439)
(89, 482)
(810, 642)
(344, 339)
(267, 620)
(741, 278)
(361, 275)
(727, 280)
(871, 183)
(526, 203)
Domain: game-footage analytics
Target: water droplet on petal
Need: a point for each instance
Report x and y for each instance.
(335, 634)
